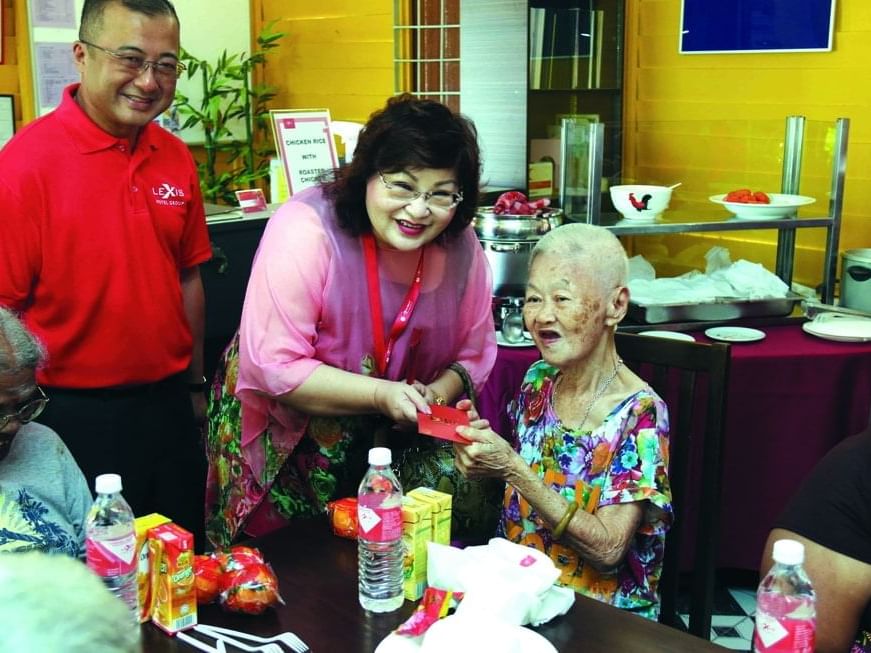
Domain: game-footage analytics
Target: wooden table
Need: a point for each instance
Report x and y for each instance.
(317, 573)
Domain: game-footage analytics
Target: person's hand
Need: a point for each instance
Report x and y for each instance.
(487, 456)
(400, 402)
(475, 420)
(426, 392)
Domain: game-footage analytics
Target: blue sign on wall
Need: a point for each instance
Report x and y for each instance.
(756, 25)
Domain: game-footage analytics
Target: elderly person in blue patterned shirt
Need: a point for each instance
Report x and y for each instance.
(44, 497)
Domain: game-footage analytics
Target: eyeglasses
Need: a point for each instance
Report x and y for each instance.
(26, 412)
(435, 199)
(138, 64)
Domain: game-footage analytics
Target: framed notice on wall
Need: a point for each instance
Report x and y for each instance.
(52, 32)
(304, 142)
(756, 26)
(7, 118)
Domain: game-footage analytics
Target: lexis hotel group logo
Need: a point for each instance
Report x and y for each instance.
(168, 195)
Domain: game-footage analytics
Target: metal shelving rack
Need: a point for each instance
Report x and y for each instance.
(786, 227)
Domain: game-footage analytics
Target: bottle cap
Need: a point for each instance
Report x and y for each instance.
(108, 484)
(380, 456)
(788, 552)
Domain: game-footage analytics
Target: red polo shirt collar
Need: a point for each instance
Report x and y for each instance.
(85, 133)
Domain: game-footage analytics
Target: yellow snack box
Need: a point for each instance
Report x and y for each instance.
(171, 549)
(143, 569)
(441, 512)
(416, 532)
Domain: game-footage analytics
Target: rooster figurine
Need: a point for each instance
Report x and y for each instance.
(642, 204)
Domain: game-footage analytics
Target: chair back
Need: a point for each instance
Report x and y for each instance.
(692, 378)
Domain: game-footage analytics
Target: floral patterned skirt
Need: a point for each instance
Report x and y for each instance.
(326, 464)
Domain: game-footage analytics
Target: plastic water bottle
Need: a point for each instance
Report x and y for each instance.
(110, 543)
(379, 540)
(785, 604)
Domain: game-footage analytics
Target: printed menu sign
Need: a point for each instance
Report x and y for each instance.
(305, 144)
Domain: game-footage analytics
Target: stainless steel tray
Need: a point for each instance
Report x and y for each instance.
(720, 310)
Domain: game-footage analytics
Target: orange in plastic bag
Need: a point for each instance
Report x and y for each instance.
(247, 582)
(251, 589)
(237, 557)
(208, 575)
(343, 517)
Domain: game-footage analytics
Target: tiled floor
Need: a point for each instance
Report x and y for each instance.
(732, 622)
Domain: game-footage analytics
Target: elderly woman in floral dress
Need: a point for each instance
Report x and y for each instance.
(586, 479)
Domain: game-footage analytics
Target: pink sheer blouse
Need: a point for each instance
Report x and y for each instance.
(307, 305)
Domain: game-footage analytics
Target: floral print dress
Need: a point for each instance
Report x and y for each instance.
(623, 460)
(328, 462)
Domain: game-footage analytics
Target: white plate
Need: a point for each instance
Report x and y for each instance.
(781, 205)
(668, 335)
(463, 634)
(502, 342)
(457, 633)
(734, 334)
(845, 329)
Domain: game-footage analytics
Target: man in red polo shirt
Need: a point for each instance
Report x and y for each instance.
(103, 233)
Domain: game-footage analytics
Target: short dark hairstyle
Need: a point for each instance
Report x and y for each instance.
(409, 133)
(92, 13)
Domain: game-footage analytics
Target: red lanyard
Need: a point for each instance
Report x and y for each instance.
(384, 348)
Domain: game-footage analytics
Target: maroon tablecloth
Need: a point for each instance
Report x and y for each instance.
(792, 397)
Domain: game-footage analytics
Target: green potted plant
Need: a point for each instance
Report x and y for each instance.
(233, 114)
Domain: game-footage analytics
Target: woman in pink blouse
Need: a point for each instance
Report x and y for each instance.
(369, 299)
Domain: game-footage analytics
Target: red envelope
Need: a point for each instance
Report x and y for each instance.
(443, 423)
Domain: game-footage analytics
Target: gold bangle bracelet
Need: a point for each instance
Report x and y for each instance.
(564, 522)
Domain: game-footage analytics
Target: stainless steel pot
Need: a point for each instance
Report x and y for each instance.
(856, 279)
(509, 261)
(507, 226)
(507, 240)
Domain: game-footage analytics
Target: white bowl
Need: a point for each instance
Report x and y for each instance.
(640, 202)
(781, 206)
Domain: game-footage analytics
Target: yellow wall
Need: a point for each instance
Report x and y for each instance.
(663, 85)
(338, 54)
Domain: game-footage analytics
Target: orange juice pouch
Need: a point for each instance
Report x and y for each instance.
(143, 569)
(175, 596)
